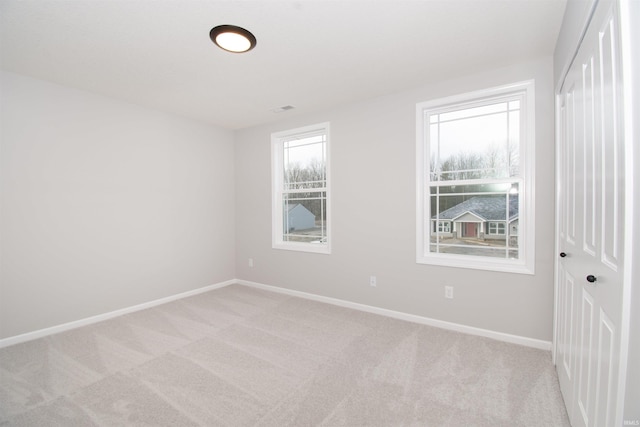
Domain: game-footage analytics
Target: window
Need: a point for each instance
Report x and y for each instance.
(496, 228)
(475, 176)
(300, 189)
(444, 226)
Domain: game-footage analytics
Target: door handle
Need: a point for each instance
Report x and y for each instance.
(591, 278)
(563, 254)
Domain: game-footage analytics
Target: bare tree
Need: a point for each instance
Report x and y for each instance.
(514, 158)
(495, 162)
(461, 166)
(310, 177)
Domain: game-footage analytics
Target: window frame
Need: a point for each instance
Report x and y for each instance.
(525, 264)
(278, 140)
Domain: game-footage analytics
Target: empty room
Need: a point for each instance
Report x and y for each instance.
(319, 213)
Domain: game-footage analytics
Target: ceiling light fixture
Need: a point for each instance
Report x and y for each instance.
(232, 39)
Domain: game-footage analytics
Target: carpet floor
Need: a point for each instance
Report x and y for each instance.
(240, 356)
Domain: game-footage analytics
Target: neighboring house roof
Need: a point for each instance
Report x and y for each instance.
(487, 208)
(292, 206)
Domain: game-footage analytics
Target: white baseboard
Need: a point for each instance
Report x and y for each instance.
(105, 316)
(500, 336)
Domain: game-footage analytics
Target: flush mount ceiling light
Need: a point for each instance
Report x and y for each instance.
(232, 39)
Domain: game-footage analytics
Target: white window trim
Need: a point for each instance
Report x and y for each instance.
(526, 246)
(276, 191)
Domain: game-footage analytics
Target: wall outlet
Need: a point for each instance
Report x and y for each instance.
(372, 281)
(448, 292)
(251, 262)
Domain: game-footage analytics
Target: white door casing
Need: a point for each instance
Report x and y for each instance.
(591, 218)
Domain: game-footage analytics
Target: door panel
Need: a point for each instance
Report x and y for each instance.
(590, 157)
(591, 217)
(568, 353)
(612, 174)
(586, 358)
(607, 356)
(571, 161)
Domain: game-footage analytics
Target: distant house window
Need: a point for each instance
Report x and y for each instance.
(444, 226)
(475, 171)
(496, 228)
(300, 189)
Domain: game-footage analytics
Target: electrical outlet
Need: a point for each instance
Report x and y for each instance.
(372, 281)
(448, 292)
(251, 262)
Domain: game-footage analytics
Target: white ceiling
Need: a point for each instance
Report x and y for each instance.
(313, 54)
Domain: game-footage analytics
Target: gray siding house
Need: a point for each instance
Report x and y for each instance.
(480, 217)
(298, 218)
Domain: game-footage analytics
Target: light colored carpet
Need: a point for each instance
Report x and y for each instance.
(239, 356)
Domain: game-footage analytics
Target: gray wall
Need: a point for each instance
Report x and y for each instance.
(105, 205)
(374, 215)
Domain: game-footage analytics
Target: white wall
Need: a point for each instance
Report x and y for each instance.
(105, 205)
(374, 199)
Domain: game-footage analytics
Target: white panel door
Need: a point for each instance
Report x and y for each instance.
(590, 225)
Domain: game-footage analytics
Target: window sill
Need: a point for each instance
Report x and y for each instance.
(303, 247)
(489, 264)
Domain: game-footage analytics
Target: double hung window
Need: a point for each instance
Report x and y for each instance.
(475, 171)
(300, 188)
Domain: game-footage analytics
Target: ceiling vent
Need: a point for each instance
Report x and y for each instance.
(283, 108)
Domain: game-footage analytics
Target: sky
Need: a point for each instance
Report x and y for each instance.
(304, 151)
(474, 130)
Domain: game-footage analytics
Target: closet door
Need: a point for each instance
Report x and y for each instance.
(591, 225)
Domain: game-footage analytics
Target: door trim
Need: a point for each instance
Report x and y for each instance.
(631, 82)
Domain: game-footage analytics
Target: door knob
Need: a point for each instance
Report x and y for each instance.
(563, 254)
(591, 278)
